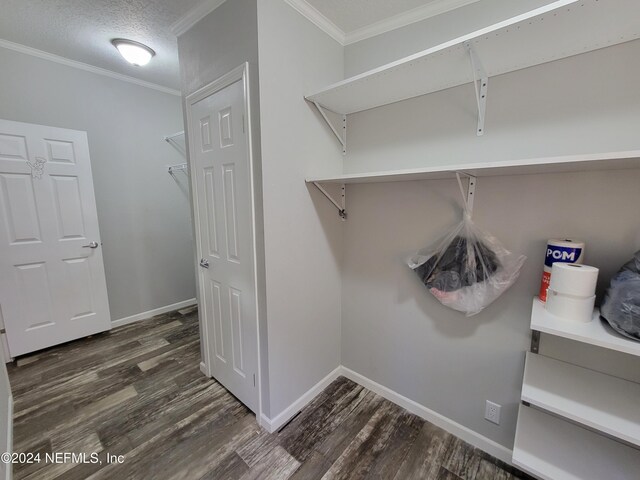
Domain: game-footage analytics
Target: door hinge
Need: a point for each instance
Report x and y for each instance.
(254, 379)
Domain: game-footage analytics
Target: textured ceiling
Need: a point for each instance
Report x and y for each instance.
(81, 30)
(350, 15)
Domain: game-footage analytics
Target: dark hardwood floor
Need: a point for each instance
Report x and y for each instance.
(137, 391)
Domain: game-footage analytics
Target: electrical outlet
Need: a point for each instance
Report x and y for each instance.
(492, 412)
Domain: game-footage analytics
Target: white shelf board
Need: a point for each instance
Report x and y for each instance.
(596, 332)
(558, 30)
(602, 402)
(562, 164)
(553, 449)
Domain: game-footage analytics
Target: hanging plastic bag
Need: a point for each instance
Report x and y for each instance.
(621, 304)
(469, 268)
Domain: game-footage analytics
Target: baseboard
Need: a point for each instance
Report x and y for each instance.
(204, 370)
(265, 422)
(273, 424)
(483, 443)
(5, 348)
(152, 313)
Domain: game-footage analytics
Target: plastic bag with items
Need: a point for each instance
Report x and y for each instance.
(468, 269)
(621, 304)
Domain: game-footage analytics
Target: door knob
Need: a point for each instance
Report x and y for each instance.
(204, 263)
(91, 245)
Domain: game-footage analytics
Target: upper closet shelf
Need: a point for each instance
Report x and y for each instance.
(558, 30)
(573, 163)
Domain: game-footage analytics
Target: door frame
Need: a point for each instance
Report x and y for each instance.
(240, 73)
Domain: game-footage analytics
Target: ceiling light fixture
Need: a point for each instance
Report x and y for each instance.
(133, 52)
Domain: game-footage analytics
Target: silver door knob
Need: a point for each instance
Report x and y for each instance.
(91, 245)
(204, 263)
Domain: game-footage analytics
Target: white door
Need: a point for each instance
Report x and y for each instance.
(222, 177)
(52, 284)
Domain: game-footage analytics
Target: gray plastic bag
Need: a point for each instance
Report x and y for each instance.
(621, 304)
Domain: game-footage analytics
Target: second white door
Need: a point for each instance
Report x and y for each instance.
(52, 281)
(220, 158)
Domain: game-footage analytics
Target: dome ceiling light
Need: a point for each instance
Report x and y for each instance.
(133, 52)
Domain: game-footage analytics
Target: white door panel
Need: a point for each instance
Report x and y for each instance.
(53, 287)
(220, 156)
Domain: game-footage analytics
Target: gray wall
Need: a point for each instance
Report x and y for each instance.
(218, 43)
(303, 233)
(397, 334)
(393, 330)
(299, 248)
(143, 212)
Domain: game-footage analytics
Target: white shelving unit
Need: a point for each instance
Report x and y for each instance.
(608, 404)
(577, 423)
(555, 31)
(553, 449)
(595, 332)
(564, 164)
(558, 30)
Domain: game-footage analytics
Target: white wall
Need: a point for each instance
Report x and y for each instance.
(583, 104)
(303, 233)
(393, 331)
(143, 212)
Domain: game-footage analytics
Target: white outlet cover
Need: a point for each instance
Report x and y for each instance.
(492, 412)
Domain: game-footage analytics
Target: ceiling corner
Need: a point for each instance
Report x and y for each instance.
(194, 15)
(318, 19)
(424, 12)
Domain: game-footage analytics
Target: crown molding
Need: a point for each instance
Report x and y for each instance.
(403, 19)
(318, 19)
(194, 15)
(84, 66)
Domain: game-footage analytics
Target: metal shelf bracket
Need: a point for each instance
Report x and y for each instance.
(181, 167)
(171, 140)
(471, 190)
(337, 126)
(480, 85)
(535, 341)
(341, 204)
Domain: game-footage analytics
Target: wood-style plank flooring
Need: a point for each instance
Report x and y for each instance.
(137, 391)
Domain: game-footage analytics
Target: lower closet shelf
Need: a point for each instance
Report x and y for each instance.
(554, 449)
(608, 404)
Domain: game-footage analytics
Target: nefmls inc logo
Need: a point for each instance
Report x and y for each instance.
(562, 254)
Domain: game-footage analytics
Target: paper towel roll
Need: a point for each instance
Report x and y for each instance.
(574, 309)
(564, 251)
(573, 279)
